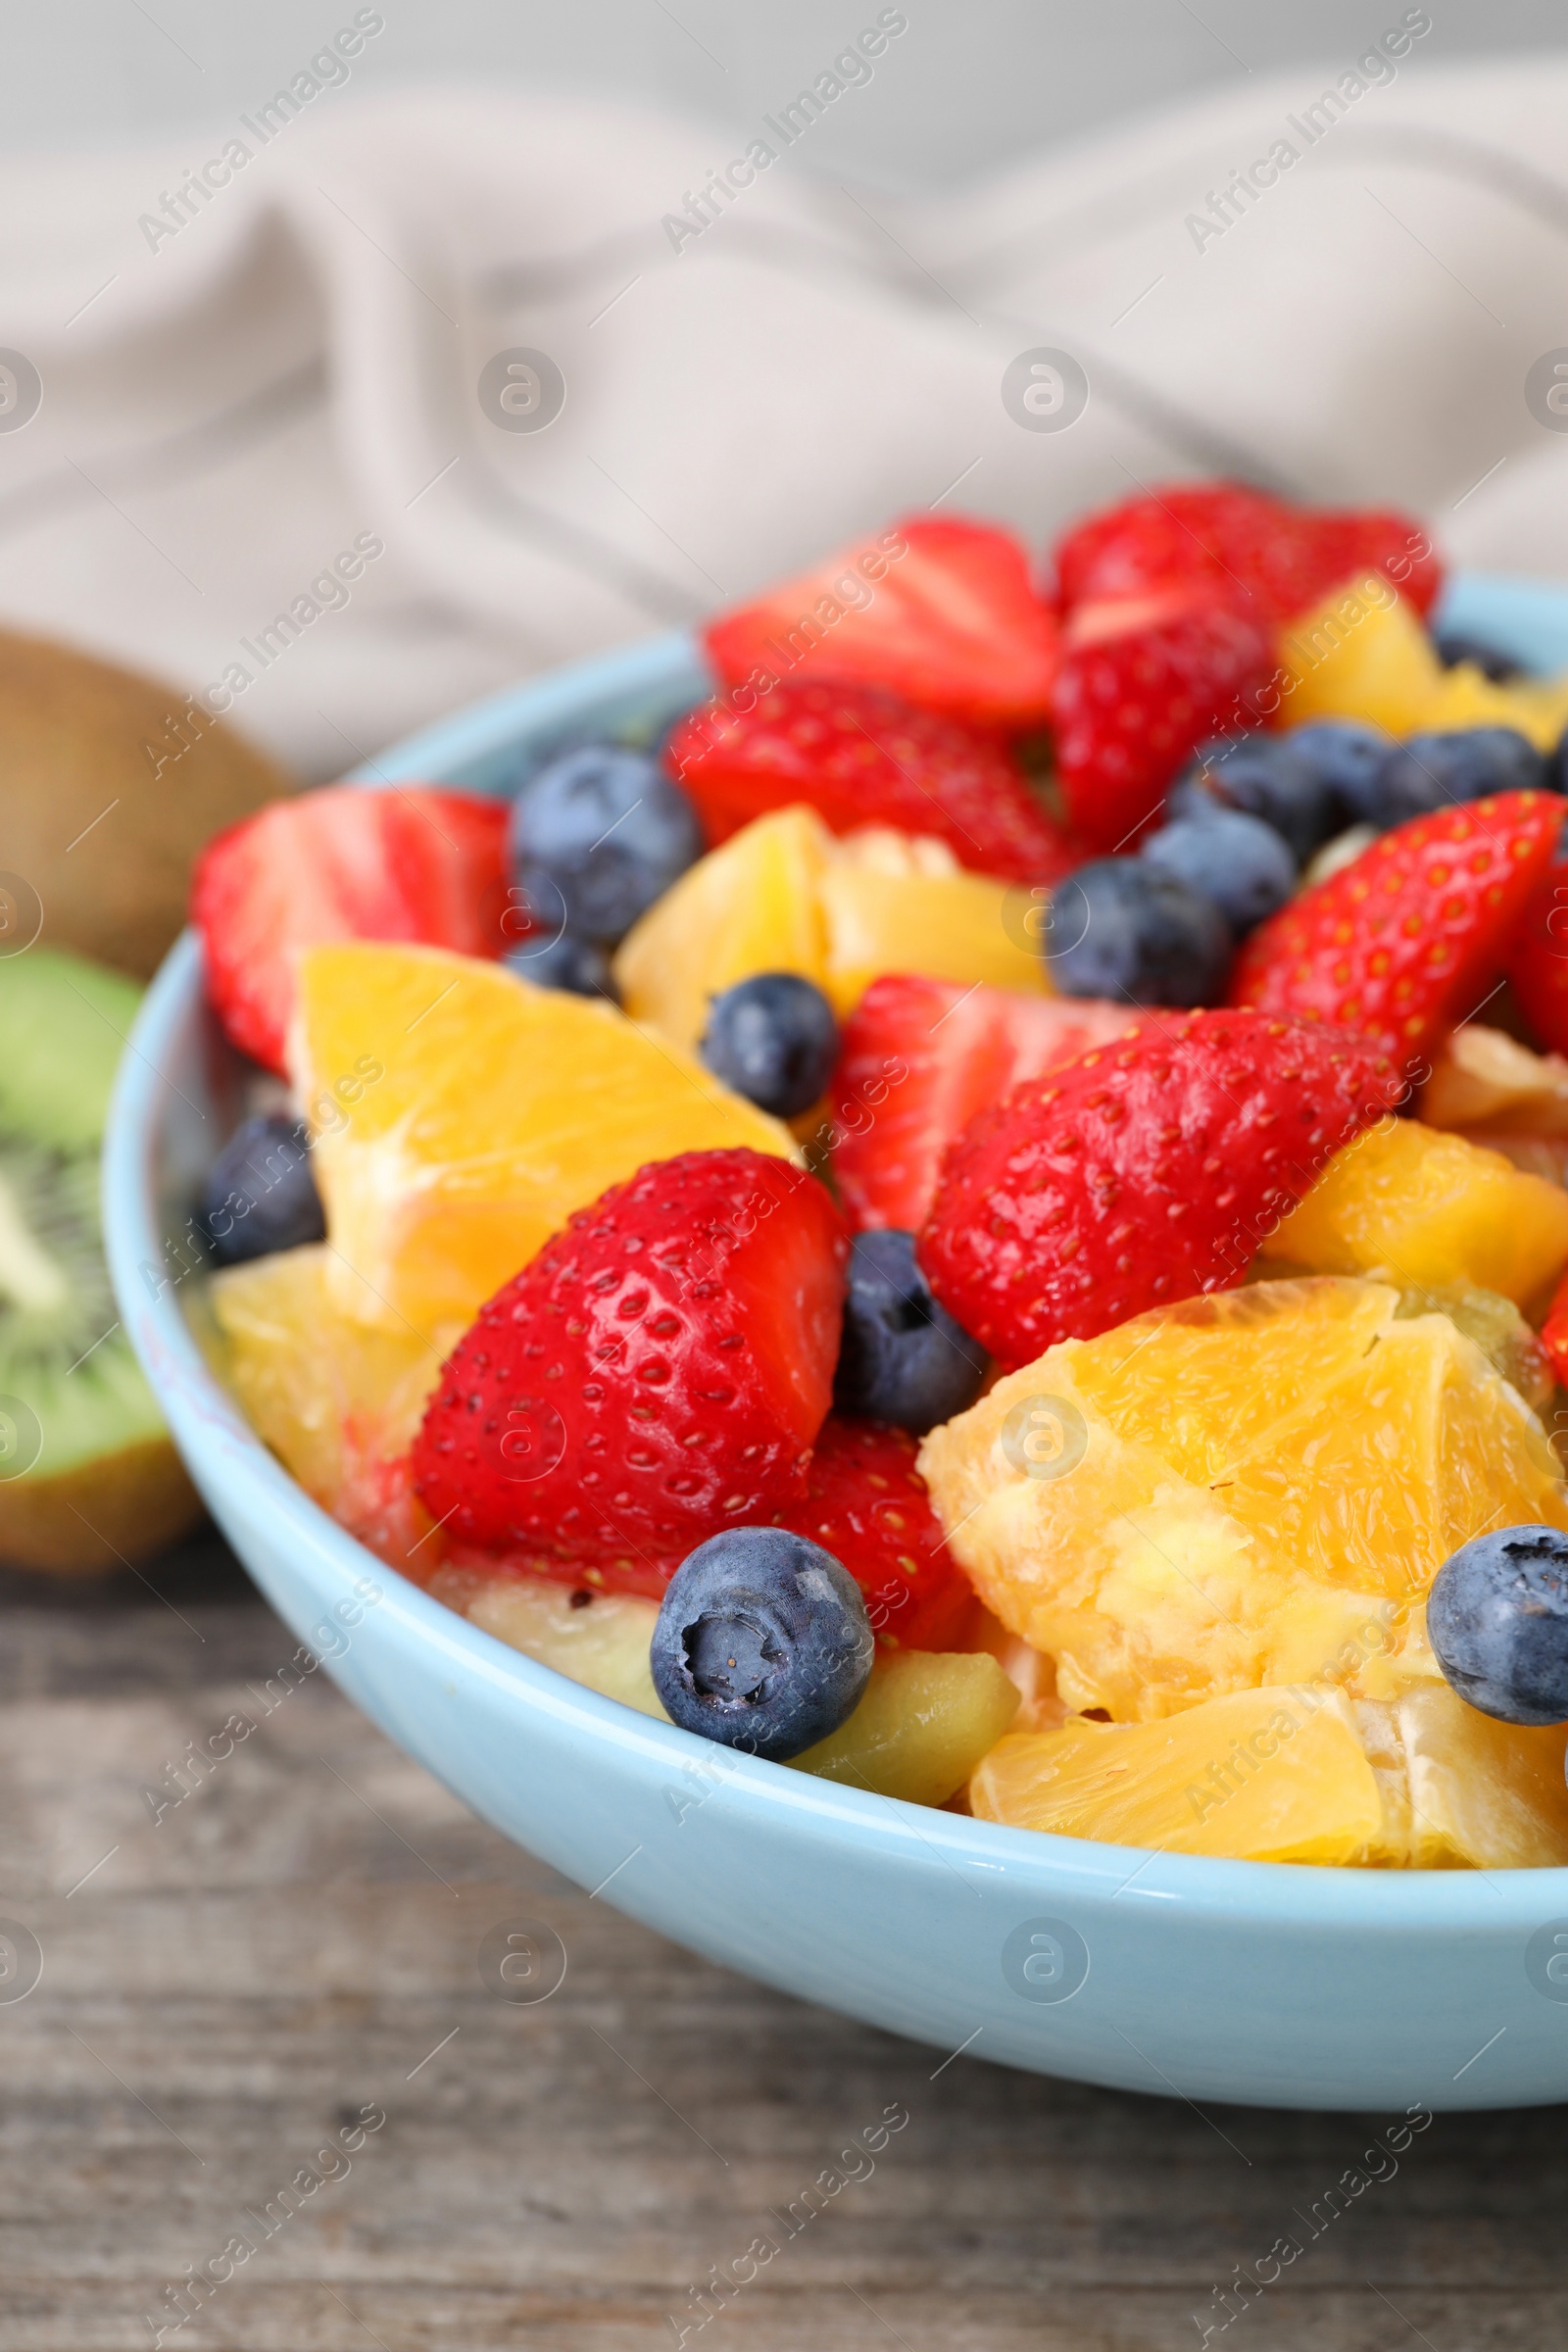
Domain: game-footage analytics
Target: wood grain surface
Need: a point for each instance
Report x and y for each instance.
(229, 1992)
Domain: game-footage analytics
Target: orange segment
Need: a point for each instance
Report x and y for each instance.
(1256, 1488)
(1295, 1775)
(1263, 1776)
(498, 1109)
(1429, 1209)
(337, 1400)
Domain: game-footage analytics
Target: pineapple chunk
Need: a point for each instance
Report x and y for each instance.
(601, 1644)
(1429, 1211)
(922, 1726)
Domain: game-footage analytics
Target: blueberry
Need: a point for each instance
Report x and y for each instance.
(1237, 860)
(1433, 771)
(903, 1358)
(761, 1643)
(1349, 758)
(1556, 776)
(1120, 927)
(1497, 1616)
(1266, 777)
(598, 835)
(567, 962)
(259, 1195)
(1452, 647)
(774, 1039)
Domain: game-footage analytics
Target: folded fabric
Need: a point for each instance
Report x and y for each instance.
(345, 411)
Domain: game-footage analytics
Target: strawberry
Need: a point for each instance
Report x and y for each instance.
(658, 1372)
(413, 863)
(1284, 558)
(866, 1504)
(938, 608)
(1538, 962)
(863, 756)
(919, 1057)
(1144, 680)
(1405, 942)
(1139, 1174)
(1554, 1335)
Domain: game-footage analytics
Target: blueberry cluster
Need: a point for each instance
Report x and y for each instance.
(1247, 814)
(597, 833)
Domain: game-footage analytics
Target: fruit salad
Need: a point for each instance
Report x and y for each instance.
(984, 1216)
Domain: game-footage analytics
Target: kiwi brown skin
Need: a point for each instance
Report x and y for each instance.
(114, 1512)
(112, 783)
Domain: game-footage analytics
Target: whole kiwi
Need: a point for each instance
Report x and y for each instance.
(109, 785)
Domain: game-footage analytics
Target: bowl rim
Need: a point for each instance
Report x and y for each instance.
(210, 1428)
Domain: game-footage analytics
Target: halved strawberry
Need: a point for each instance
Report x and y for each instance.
(1144, 679)
(939, 608)
(919, 1059)
(658, 1372)
(866, 1504)
(1284, 558)
(1538, 962)
(413, 863)
(1139, 1174)
(861, 755)
(1407, 941)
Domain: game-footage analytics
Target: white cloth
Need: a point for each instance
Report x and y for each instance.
(228, 406)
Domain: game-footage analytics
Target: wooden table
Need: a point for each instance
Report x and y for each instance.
(228, 1989)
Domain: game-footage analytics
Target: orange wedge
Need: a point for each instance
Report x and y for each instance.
(460, 1114)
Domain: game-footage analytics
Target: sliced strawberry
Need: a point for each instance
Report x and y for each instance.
(919, 1059)
(939, 608)
(866, 1504)
(1139, 1174)
(413, 863)
(861, 755)
(1554, 1335)
(658, 1372)
(1407, 941)
(1538, 962)
(1284, 558)
(1144, 680)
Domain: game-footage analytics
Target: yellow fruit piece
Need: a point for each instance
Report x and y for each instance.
(924, 1721)
(1361, 654)
(1297, 1774)
(1267, 1482)
(481, 1112)
(784, 896)
(750, 906)
(1364, 654)
(337, 1400)
(602, 1644)
(1260, 1775)
(944, 926)
(1426, 1208)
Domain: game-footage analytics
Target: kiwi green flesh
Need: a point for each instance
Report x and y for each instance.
(62, 1353)
(63, 1024)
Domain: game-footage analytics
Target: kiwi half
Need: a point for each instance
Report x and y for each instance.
(88, 1476)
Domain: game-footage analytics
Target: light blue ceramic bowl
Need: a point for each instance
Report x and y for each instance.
(1212, 1980)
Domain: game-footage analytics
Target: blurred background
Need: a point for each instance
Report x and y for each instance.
(985, 82)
